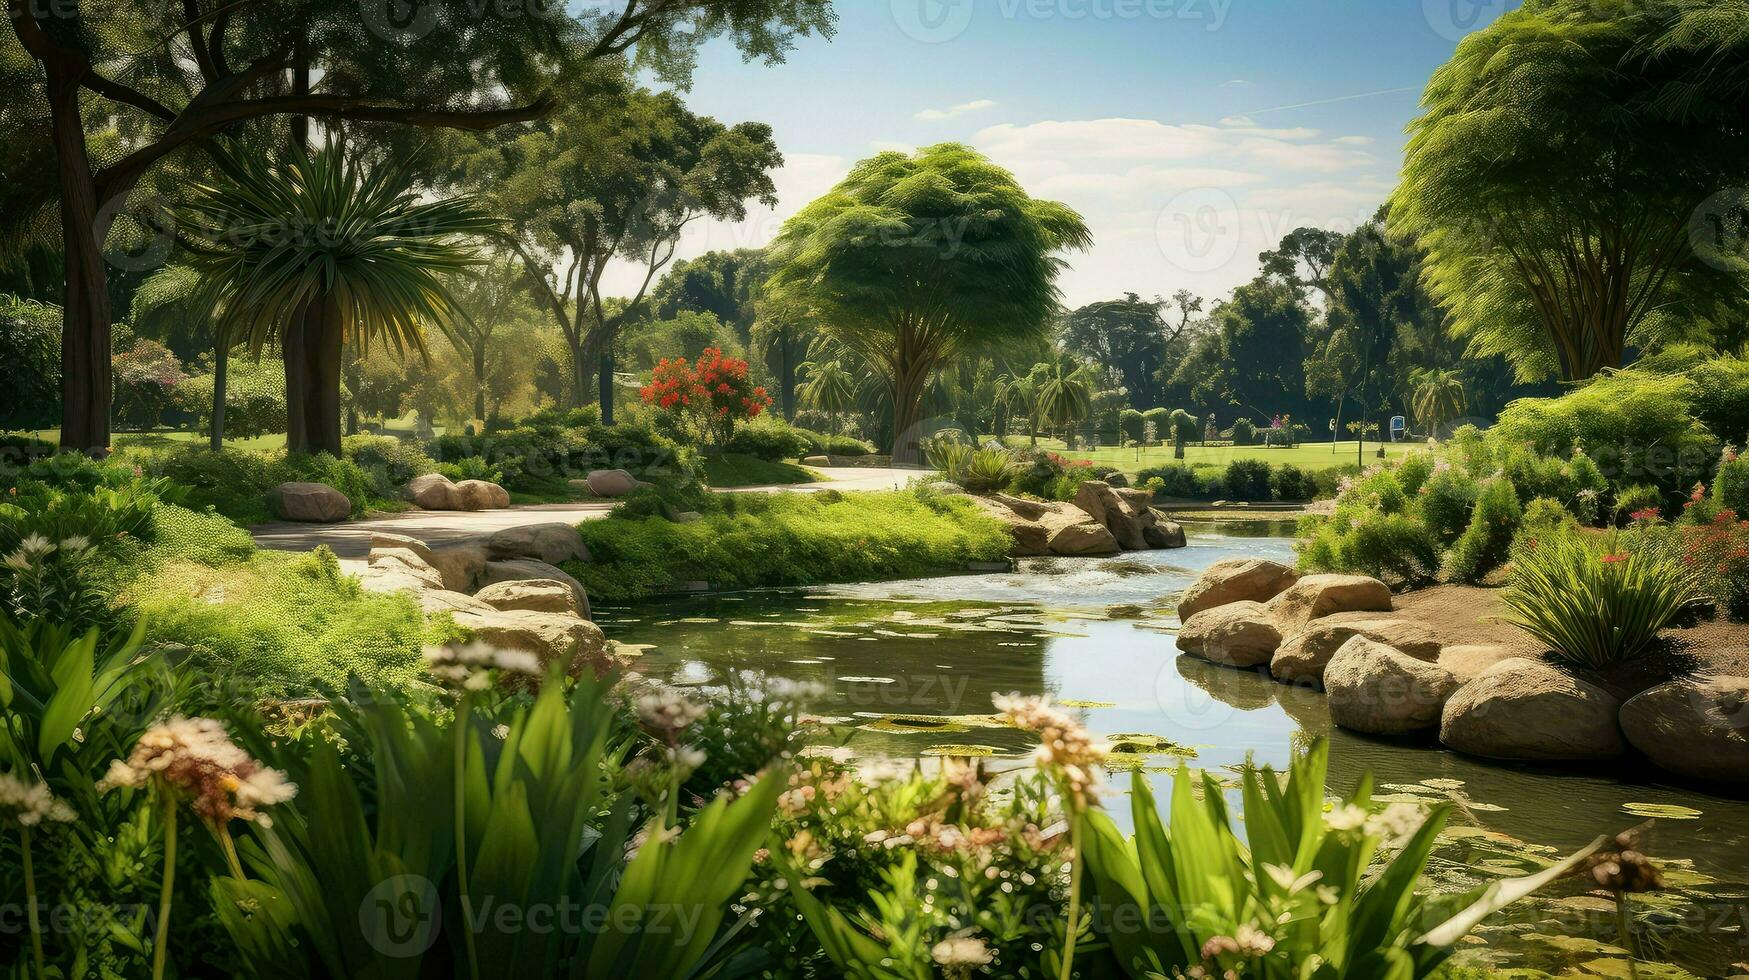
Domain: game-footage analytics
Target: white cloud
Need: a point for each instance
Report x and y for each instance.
(936, 115)
(1353, 140)
(1235, 83)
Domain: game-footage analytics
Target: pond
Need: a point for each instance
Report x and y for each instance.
(912, 666)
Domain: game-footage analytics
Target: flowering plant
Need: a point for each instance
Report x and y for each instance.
(716, 393)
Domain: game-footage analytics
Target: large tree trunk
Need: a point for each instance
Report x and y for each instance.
(297, 385)
(606, 394)
(324, 344)
(85, 318)
(907, 418)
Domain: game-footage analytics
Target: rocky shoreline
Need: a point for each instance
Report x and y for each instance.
(1101, 520)
(1396, 672)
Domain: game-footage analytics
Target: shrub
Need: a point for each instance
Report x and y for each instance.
(388, 463)
(471, 468)
(146, 377)
(254, 398)
(1244, 432)
(712, 396)
(30, 347)
(769, 439)
(1718, 553)
(1487, 542)
(1469, 445)
(1289, 482)
(1595, 604)
(1641, 499)
(236, 482)
(1376, 488)
(1175, 479)
(751, 540)
(1731, 484)
(1130, 423)
(822, 444)
(1413, 472)
(1393, 548)
(1544, 519)
(1162, 419)
(1446, 501)
(1247, 479)
(1638, 426)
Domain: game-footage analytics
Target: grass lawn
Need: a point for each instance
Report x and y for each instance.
(166, 438)
(1310, 456)
(738, 470)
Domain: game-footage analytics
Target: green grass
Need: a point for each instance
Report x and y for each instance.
(730, 470)
(755, 540)
(1309, 456)
(171, 438)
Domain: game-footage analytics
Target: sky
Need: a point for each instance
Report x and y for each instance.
(1190, 134)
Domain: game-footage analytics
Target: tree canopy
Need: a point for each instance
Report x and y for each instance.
(912, 259)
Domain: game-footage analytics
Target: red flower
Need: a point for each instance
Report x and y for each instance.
(1612, 559)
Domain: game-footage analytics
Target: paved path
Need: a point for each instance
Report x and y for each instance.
(351, 541)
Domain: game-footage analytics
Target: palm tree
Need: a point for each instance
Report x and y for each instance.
(1183, 428)
(830, 388)
(1020, 393)
(1065, 392)
(1438, 398)
(321, 250)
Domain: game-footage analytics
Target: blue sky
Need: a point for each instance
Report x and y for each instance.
(1190, 133)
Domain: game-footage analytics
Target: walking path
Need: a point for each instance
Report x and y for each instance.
(351, 541)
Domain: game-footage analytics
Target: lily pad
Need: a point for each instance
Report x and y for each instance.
(1078, 703)
(961, 751)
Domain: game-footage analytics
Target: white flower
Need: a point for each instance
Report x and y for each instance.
(665, 713)
(784, 689)
(35, 545)
(195, 757)
(962, 951)
(30, 804)
(687, 758)
(467, 666)
(77, 542)
(17, 561)
(1253, 941)
(500, 732)
(1346, 817)
(1396, 821)
(1284, 876)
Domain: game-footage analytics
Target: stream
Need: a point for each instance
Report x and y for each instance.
(912, 666)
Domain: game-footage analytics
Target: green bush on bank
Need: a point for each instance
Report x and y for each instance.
(751, 540)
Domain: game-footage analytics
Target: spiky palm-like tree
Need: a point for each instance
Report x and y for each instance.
(830, 387)
(319, 250)
(1065, 392)
(1438, 398)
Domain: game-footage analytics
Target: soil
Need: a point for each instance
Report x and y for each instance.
(1473, 617)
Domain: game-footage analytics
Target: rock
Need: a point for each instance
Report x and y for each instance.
(1380, 690)
(551, 543)
(549, 636)
(444, 601)
(1161, 531)
(1031, 510)
(1316, 596)
(1468, 660)
(1073, 534)
(391, 580)
(1120, 515)
(1527, 710)
(817, 461)
(1694, 726)
(1236, 580)
(383, 540)
(1303, 655)
(1237, 634)
(613, 483)
(534, 595)
(528, 569)
(1031, 539)
(404, 562)
(309, 503)
(434, 491)
(481, 495)
(461, 563)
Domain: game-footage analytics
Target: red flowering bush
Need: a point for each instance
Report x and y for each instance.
(715, 394)
(1718, 552)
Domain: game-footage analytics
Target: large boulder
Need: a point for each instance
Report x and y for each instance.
(1109, 507)
(444, 601)
(1031, 539)
(434, 491)
(1694, 726)
(1238, 634)
(1303, 655)
(1161, 531)
(551, 543)
(1527, 710)
(1031, 510)
(549, 636)
(1072, 533)
(461, 563)
(1380, 690)
(530, 570)
(1316, 596)
(404, 563)
(612, 483)
(534, 595)
(481, 495)
(384, 540)
(1236, 580)
(309, 503)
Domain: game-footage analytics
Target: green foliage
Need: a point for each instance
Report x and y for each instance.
(540, 453)
(69, 526)
(724, 470)
(1731, 483)
(471, 468)
(254, 398)
(1638, 500)
(1129, 424)
(1244, 432)
(1718, 552)
(1638, 428)
(976, 469)
(820, 444)
(1393, 548)
(1248, 479)
(388, 463)
(30, 347)
(1487, 542)
(769, 439)
(1289, 482)
(1545, 518)
(1597, 602)
(1332, 891)
(236, 482)
(789, 539)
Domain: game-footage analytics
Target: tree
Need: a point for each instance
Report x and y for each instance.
(1554, 176)
(166, 77)
(1372, 292)
(1128, 335)
(912, 260)
(1183, 425)
(492, 302)
(1303, 259)
(724, 284)
(829, 388)
(1438, 398)
(1065, 392)
(783, 334)
(1252, 356)
(321, 250)
(617, 173)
